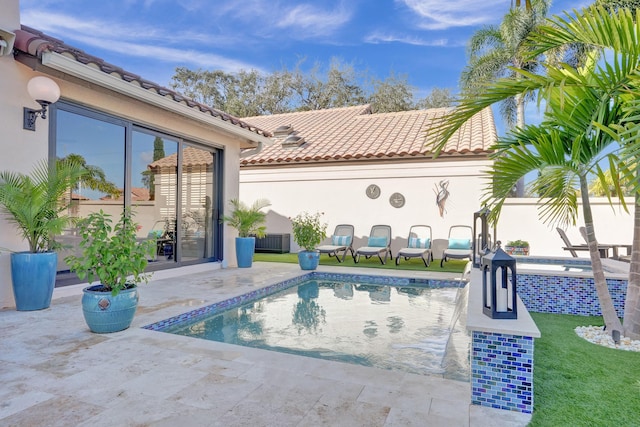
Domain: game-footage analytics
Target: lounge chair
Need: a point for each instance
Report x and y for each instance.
(341, 241)
(615, 247)
(418, 245)
(459, 246)
(568, 246)
(379, 243)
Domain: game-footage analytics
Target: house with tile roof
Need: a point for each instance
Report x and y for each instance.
(129, 129)
(365, 169)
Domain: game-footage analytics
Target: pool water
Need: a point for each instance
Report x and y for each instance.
(414, 329)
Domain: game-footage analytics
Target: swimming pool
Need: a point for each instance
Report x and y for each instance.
(410, 325)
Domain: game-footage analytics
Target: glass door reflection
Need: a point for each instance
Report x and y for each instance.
(197, 195)
(154, 183)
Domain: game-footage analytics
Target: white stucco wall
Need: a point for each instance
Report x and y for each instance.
(20, 148)
(339, 192)
(519, 220)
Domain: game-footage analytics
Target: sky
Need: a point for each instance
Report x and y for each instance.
(424, 40)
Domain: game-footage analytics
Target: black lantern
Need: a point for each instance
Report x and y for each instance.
(482, 238)
(499, 285)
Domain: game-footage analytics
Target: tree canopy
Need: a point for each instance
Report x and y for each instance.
(251, 93)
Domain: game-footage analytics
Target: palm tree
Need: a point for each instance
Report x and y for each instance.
(609, 190)
(36, 203)
(94, 178)
(248, 220)
(494, 50)
(586, 113)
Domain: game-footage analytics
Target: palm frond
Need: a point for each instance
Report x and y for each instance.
(36, 203)
(593, 26)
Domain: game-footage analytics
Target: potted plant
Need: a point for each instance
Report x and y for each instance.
(308, 233)
(115, 257)
(37, 204)
(249, 221)
(517, 247)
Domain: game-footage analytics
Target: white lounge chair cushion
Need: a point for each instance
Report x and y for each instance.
(411, 252)
(457, 253)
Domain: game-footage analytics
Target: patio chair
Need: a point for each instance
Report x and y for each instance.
(568, 246)
(341, 241)
(603, 248)
(379, 243)
(459, 246)
(418, 245)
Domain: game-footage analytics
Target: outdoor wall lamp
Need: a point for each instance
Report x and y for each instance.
(44, 91)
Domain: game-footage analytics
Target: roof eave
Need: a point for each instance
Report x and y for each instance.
(72, 67)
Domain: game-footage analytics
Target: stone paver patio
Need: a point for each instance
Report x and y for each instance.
(55, 372)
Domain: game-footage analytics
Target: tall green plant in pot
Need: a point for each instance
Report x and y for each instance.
(308, 233)
(249, 221)
(37, 205)
(113, 255)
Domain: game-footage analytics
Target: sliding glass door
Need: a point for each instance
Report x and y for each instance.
(197, 202)
(154, 190)
(172, 185)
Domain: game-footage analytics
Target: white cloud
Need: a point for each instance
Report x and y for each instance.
(70, 26)
(306, 20)
(170, 55)
(376, 38)
(440, 15)
(135, 41)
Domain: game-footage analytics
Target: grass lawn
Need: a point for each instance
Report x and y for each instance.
(453, 266)
(582, 384)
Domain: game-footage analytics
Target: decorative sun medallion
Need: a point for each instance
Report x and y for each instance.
(373, 191)
(396, 200)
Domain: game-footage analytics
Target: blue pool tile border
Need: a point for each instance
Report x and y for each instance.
(237, 301)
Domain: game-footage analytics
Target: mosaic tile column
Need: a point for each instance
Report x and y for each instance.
(502, 371)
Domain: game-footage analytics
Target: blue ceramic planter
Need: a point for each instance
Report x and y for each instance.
(33, 276)
(245, 247)
(309, 260)
(105, 313)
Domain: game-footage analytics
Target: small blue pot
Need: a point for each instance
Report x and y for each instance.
(245, 246)
(33, 276)
(309, 260)
(105, 313)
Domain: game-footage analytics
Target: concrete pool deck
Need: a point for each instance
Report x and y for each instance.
(55, 372)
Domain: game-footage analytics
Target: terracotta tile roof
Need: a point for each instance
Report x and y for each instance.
(33, 42)
(354, 133)
(190, 157)
(138, 194)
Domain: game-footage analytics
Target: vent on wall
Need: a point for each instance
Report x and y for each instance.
(293, 141)
(283, 130)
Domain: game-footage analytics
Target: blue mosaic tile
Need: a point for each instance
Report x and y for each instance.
(567, 295)
(502, 384)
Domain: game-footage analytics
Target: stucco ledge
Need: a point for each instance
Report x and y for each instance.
(478, 321)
